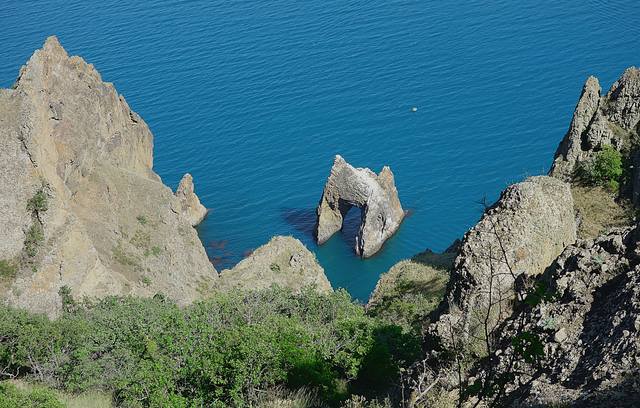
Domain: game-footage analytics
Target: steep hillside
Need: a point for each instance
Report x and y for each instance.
(80, 205)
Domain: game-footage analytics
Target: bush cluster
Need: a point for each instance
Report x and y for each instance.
(605, 169)
(225, 351)
(13, 397)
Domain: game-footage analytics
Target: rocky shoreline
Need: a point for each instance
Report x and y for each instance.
(525, 310)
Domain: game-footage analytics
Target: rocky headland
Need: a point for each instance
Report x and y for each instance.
(537, 305)
(541, 308)
(80, 206)
(283, 261)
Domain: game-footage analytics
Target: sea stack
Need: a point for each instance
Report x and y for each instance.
(190, 205)
(376, 196)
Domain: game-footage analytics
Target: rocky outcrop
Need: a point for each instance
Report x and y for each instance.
(375, 195)
(80, 205)
(284, 262)
(190, 205)
(412, 289)
(588, 327)
(521, 234)
(612, 119)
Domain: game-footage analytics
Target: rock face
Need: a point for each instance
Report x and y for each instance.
(590, 329)
(80, 205)
(284, 261)
(375, 195)
(190, 205)
(523, 233)
(598, 121)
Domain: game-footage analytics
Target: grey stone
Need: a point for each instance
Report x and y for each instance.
(612, 119)
(375, 195)
(519, 236)
(190, 205)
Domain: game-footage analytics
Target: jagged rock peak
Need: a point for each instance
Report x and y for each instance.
(375, 195)
(612, 119)
(80, 205)
(190, 204)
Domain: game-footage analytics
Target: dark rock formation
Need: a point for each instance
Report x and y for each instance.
(375, 195)
(80, 205)
(589, 328)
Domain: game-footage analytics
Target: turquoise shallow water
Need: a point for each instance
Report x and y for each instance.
(254, 98)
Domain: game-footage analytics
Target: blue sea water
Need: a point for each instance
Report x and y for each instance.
(255, 98)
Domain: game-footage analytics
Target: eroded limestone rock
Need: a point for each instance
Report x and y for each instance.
(612, 119)
(589, 330)
(375, 195)
(190, 204)
(522, 233)
(69, 140)
(283, 261)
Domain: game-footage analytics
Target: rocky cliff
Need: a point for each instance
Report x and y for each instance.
(520, 235)
(530, 317)
(588, 328)
(80, 205)
(600, 120)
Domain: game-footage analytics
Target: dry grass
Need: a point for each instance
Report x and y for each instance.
(599, 211)
(412, 289)
(90, 399)
(283, 398)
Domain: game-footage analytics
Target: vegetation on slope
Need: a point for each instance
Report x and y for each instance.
(21, 394)
(411, 290)
(226, 351)
(600, 189)
(599, 209)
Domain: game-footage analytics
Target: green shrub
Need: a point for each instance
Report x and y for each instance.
(224, 351)
(8, 269)
(38, 203)
(605, 169)
(33, 239)
(13, 397)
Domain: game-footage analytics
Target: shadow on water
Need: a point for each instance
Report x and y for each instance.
(351, 225)
(302, 219)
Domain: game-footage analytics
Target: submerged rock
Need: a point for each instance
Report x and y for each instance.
(521, 234)
(375, 195)
(80, 205)
(283, 261)
(190, 205)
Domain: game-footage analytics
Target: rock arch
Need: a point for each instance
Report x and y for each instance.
(376, 196)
